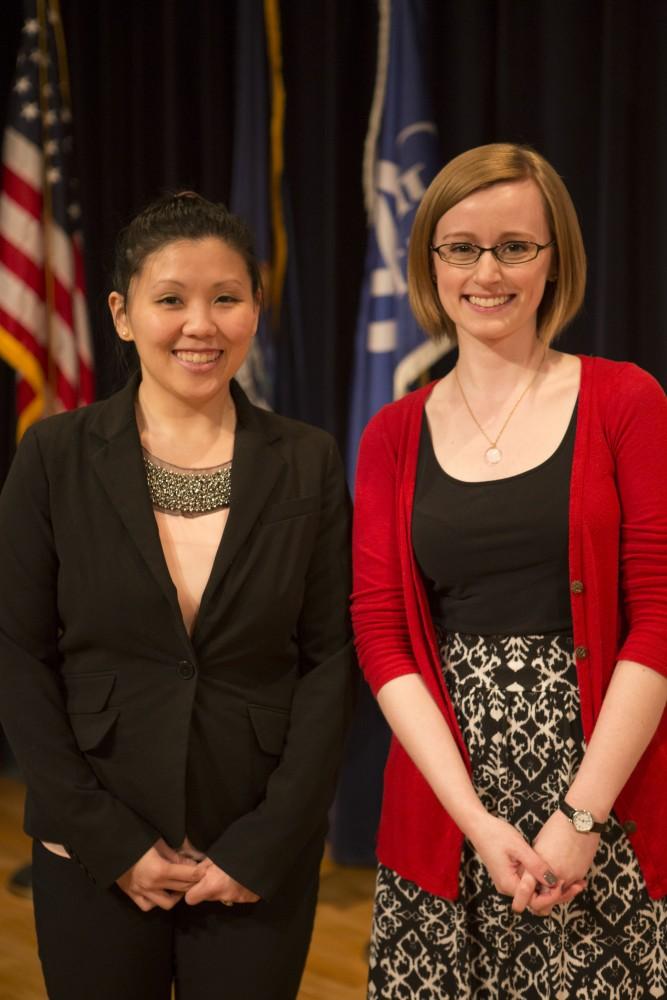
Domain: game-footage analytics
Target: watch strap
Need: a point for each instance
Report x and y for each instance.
(569, 811)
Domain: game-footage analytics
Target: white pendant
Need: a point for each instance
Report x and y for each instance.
(493, 455)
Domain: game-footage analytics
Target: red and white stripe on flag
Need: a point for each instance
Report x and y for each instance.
(44, 332)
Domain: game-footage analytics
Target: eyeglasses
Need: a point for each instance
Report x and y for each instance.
(511, 252)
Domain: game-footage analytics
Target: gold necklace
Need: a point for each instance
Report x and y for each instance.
(493, 454)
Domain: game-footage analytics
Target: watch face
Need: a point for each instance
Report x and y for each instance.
(582, 820)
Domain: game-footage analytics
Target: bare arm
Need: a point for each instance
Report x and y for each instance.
(629, 717)
(630, 714)
(421, 729)
(418, 723)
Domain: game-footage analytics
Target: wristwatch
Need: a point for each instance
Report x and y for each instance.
(581, 819)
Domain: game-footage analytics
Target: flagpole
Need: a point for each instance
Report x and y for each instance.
(377, 107)
(50, 394)
(279, 249)
(61, 48)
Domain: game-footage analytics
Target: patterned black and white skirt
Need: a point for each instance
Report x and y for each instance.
(517, 701)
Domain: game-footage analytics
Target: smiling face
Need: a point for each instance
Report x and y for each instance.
(191, 314)
(488, 300)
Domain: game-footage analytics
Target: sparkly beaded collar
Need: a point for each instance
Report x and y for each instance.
(189, 492)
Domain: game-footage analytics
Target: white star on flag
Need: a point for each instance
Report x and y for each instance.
(41, 58)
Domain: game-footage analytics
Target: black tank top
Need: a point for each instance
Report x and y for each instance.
(494, 555)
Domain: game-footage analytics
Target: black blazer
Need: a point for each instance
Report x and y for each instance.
(127, 729)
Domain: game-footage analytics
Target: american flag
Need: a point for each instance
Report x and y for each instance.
(44, 333)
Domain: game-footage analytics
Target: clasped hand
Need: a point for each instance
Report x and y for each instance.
(568, 854)
(163, 876)
(549, 873)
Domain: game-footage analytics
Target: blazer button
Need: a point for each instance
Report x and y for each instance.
(577, 587)
(581, 652)
(185, 669)
(630, 826)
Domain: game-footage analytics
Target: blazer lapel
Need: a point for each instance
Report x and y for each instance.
(256, 466)
(118, 464)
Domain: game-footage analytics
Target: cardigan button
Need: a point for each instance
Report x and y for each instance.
(577, 587)
(185, 669)
(630, 826)
(581, 652)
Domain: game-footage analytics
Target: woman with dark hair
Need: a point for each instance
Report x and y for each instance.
(175, 657)
(510, 612)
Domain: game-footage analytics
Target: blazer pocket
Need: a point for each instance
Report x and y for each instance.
(88, 692)
(87, 699)
(90, 728)
(270, 727)
(290, 508)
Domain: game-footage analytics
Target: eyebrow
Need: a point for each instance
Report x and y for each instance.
(467, 237)
(183, 284)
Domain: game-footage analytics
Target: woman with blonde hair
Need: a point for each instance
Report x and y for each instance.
(510, 610)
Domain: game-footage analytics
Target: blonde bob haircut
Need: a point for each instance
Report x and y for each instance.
(480, 168)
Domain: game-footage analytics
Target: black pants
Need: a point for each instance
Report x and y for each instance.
(96, 942)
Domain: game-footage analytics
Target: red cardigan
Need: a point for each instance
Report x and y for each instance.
(618, 583)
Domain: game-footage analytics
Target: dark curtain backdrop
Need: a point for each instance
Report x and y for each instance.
(584, 81)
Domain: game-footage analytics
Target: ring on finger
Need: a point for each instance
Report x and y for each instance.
(226, 902)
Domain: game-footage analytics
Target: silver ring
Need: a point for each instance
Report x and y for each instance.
(226, 902)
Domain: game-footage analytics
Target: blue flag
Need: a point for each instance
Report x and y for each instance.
(391, 350)
(402, 157)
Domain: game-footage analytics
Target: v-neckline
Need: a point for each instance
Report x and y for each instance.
(185, 548)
